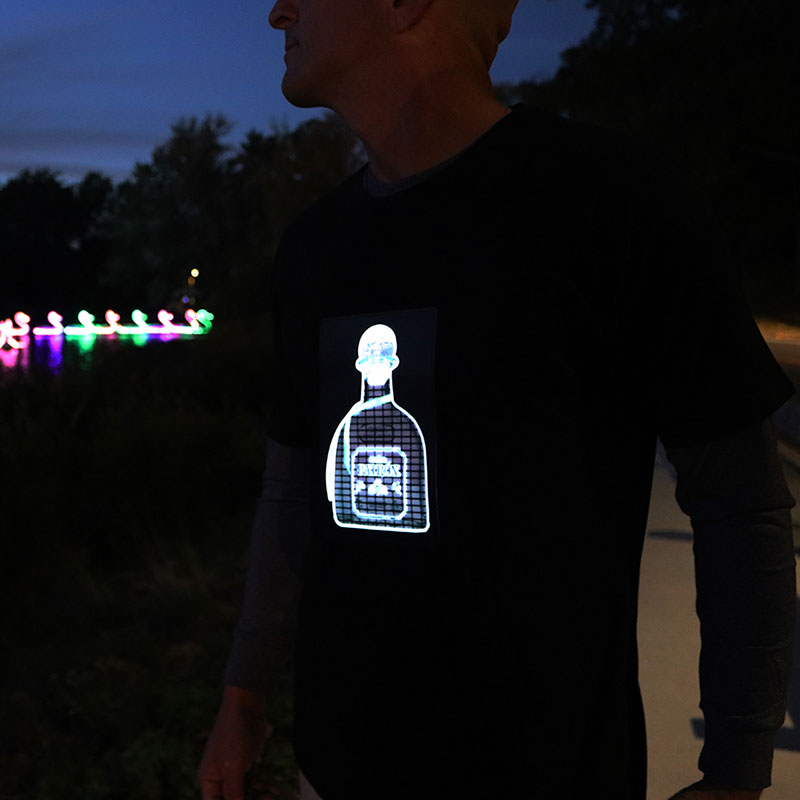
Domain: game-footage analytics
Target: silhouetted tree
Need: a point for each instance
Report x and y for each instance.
(94, 195)
(627, 22)
(200, 204)
(273, 177)
(52, 241)
(717, 85)
(171, 217)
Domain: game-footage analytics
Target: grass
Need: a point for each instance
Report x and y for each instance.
(128, 487)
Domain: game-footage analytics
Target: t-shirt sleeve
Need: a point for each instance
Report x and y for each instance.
(287, 422)
(713, 374)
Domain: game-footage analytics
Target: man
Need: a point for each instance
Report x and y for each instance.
(528, 304)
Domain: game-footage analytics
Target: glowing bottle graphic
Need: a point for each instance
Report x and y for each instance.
(376, 472)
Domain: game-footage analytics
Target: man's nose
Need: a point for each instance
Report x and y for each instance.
(283, 14)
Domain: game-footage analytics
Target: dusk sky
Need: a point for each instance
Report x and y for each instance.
(96, 84)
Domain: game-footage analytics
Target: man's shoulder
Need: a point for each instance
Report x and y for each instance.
(582, 147)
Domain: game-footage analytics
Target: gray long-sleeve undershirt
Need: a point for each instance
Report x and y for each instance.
(733, 490)
(736, 496)
(278, 544)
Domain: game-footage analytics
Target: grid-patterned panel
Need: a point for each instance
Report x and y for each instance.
(380, 471)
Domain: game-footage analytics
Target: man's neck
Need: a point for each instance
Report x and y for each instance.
(408, 134)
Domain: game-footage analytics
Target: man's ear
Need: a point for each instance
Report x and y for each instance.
(405, 14)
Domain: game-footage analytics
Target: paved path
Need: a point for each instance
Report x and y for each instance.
(669, 646)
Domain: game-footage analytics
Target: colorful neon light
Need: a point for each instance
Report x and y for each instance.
(23, 322)
(15, 334)
(88, 328)
(15, 357)
(165, 318)
(7, 336)
(56, 328)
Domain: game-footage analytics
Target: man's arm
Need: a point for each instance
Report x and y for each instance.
(735, 493)
(703, 790)
(275, 561)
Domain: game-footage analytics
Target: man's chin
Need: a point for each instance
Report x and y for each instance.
(298, 95)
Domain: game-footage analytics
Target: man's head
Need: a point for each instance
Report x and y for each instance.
(337, 49)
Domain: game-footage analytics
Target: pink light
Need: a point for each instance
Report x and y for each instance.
(191, 317)
(112, 318)
(23, 322)
(166, 327)
(8, 334)
(56, 328)
(87, 321)
(8, 358)
(16, 343)
(88, 328)
(165, 318)
(16, 336)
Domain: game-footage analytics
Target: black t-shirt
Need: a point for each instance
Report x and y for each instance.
(554, 302)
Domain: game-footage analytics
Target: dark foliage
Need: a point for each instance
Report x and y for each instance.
(53, 241)
(197, 204)
(716, 85)
(128, 490)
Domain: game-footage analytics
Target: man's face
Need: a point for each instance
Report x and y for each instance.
(328, 45)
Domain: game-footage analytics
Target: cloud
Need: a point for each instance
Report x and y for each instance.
(32, 48)
(18, 139)
(73, 152)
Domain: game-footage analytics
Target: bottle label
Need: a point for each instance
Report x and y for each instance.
(379, 483)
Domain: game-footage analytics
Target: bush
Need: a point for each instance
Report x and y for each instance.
(129, 484)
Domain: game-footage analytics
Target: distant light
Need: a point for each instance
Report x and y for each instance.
(87, 325)
(194, 273)
(56, 328)
(16, 335)
(190, 281)
(23, 328)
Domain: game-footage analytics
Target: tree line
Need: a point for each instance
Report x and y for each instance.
(713, 83)
(197, 204)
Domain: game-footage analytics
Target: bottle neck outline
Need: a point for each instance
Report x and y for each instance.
(376, 395)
